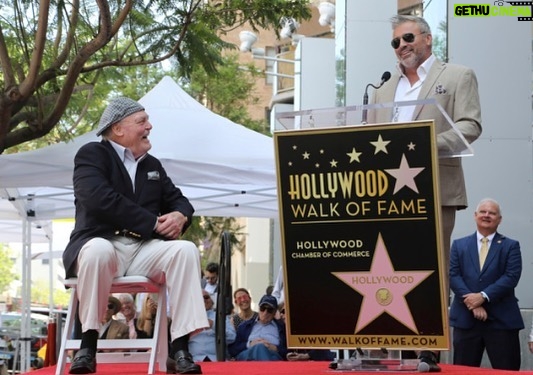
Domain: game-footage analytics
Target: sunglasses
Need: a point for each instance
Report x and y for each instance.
(206, 297)
(110, 306)
(407, 37)
(242, 298)
(269, 310)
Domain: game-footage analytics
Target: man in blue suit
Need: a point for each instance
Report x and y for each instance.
(485, 312)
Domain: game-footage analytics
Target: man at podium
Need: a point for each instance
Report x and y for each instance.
(420, 75)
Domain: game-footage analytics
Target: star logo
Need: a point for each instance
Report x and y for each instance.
(354, 155)
(404, 175)
(383, 289)
(380, 145)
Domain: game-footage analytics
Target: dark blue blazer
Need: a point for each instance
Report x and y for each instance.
(498, 279)
(107, 205)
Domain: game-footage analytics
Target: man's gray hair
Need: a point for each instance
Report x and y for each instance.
(126, 297)
(489, 200)
(402, 18)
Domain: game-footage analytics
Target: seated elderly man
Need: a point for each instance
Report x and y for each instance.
(263, 338)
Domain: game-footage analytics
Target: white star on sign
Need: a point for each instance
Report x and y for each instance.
(380, 145)
(354, 155)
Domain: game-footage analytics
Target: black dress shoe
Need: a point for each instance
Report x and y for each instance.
(84, 362)
(428, 362)
(182, 363)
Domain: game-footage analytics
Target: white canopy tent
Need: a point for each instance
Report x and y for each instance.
(11, 227)
(225, 169)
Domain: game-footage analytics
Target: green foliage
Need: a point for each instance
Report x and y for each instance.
(206, 233)
(229, 101)
(7, 275)
(440, 47)
(60, 61)
(40, 294)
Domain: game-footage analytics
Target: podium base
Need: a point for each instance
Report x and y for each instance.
(376, 360)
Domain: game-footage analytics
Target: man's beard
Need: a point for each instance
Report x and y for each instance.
(413, 61)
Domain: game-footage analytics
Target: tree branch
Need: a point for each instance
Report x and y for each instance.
(27, 87)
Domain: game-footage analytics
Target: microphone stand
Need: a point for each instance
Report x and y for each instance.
(384, 78)
(365, 102)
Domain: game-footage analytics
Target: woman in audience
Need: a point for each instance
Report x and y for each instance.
(146, 320)
(243, 300)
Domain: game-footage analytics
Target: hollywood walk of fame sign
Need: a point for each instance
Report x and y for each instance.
(360, 227)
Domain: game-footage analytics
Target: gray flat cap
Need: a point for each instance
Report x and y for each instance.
(117, 110)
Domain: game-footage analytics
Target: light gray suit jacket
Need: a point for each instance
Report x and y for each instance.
(455, 88)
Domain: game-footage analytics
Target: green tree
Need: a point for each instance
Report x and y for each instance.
(206, 233)
(40, 294)
(440, 46)
(54, 55)
(7, 275)
(229, 101)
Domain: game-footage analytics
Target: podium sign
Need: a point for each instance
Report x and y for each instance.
(361, 237)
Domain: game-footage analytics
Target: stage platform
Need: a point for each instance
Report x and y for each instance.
(272, 368)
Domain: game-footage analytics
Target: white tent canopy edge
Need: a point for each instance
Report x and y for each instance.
(224, 168)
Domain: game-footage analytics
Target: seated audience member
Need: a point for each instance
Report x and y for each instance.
(146, 319)
(202, 345)
(111, 328)
(210, 281)
(263, 338)
(243, 300)
(128, 313)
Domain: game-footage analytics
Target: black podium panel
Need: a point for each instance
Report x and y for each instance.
(360, 225)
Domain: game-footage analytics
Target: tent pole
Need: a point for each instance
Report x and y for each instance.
(25, 331)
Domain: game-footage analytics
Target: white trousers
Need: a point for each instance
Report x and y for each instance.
(178, 262)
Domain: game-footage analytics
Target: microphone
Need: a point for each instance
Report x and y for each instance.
(384, 78)
(423, 367)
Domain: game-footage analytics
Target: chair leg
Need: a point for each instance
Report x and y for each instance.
(158, 345)
(161, 330)
(67, 331)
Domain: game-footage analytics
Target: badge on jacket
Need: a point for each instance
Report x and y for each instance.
(153, 175)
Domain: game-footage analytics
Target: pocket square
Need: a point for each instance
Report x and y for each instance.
(153, 175)
(439, 89)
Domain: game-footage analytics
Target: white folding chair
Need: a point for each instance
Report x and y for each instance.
(154, 349)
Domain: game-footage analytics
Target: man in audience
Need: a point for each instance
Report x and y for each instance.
(202, 345)
(261, 339)
(210, 281)
(111, 328)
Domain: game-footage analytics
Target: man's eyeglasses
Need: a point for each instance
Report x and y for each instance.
(269, 310)
(407, 37)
